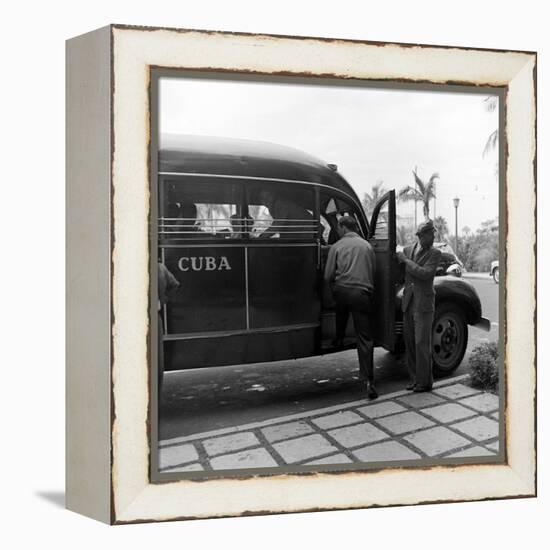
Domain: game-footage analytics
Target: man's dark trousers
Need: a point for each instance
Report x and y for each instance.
(418, 305)
(358, 302)
(417, 332)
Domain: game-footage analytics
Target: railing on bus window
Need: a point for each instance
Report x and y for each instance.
(183, 228)
(286, 229)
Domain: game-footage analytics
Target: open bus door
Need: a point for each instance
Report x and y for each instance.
(382, 237)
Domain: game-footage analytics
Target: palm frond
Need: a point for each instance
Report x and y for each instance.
(367, 198)
(409, 193)
(491, 103)
(429, 191)
(419, 182)
(433, 177)
(491, 143)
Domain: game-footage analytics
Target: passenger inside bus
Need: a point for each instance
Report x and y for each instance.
(188, 212)
(239, 226)
(170, 227)
(290, 219)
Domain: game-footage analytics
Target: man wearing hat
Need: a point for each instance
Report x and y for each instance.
(418, 304)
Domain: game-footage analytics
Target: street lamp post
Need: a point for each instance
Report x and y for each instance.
(456, 202)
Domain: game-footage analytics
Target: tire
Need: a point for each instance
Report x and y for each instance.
(449, 338)
(495, 275)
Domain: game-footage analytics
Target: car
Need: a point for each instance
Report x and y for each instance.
(252, 287)
(494, 271)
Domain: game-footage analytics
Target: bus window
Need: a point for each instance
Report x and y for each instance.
(194, 208)
(381, 227)
(282, 211)
(333, 208)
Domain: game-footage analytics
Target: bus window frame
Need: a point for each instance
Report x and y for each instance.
(360, 214)
(243, 182)
(315, 234)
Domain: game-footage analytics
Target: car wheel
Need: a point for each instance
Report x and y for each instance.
(495, 275)
(449, 338)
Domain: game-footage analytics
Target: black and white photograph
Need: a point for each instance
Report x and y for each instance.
(328, 274)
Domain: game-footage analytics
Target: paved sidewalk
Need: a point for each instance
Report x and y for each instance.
(453, 421)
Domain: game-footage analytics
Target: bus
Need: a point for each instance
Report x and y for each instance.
(245, 227)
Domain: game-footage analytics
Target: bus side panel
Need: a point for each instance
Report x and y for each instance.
(239, 349)
(212, 292)
(283, 286)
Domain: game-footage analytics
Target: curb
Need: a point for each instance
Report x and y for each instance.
(306, 414)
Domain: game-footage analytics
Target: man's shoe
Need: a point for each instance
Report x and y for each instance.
(371, 391)
(420, 389)
(411, 386)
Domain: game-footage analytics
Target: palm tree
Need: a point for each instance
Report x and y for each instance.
(491, 103)
(370, 199)
(423, 192)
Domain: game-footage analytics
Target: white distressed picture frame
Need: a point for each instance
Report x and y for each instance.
(108, 217)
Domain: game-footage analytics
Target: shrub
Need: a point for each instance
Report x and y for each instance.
(483, 365)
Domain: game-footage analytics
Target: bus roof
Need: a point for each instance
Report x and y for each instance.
(183, 154)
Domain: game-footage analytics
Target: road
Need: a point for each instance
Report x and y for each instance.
(207, 399)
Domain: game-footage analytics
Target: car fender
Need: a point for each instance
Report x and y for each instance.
(456, 290)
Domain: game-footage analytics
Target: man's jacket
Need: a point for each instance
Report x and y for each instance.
(420, 271)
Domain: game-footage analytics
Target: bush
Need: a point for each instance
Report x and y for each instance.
(483, 366)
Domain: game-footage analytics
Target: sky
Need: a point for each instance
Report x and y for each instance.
(371, 134)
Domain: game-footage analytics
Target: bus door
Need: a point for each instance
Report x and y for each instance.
(382, 237)
(334, 205)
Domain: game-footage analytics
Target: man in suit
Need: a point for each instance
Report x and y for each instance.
(418, 304)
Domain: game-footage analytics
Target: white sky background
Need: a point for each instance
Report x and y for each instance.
(371, 134)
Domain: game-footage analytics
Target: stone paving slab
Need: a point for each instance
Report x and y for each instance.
(343, 418)
(472, 451)
(333, 459)
(479, 428)
(252, 458)
(388, 450)
(419, 400)
(174, 456)
(448, 412)
(435, 441)
(455, 421)
(359, 434)
(484, 402)
(286, 431)
(405, 422)
(195, 467)
(228, 443)
(455, 391)
(381, 409)
(303, 448)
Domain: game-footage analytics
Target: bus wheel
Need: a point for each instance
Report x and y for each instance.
(495, 275)
(449, 338)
